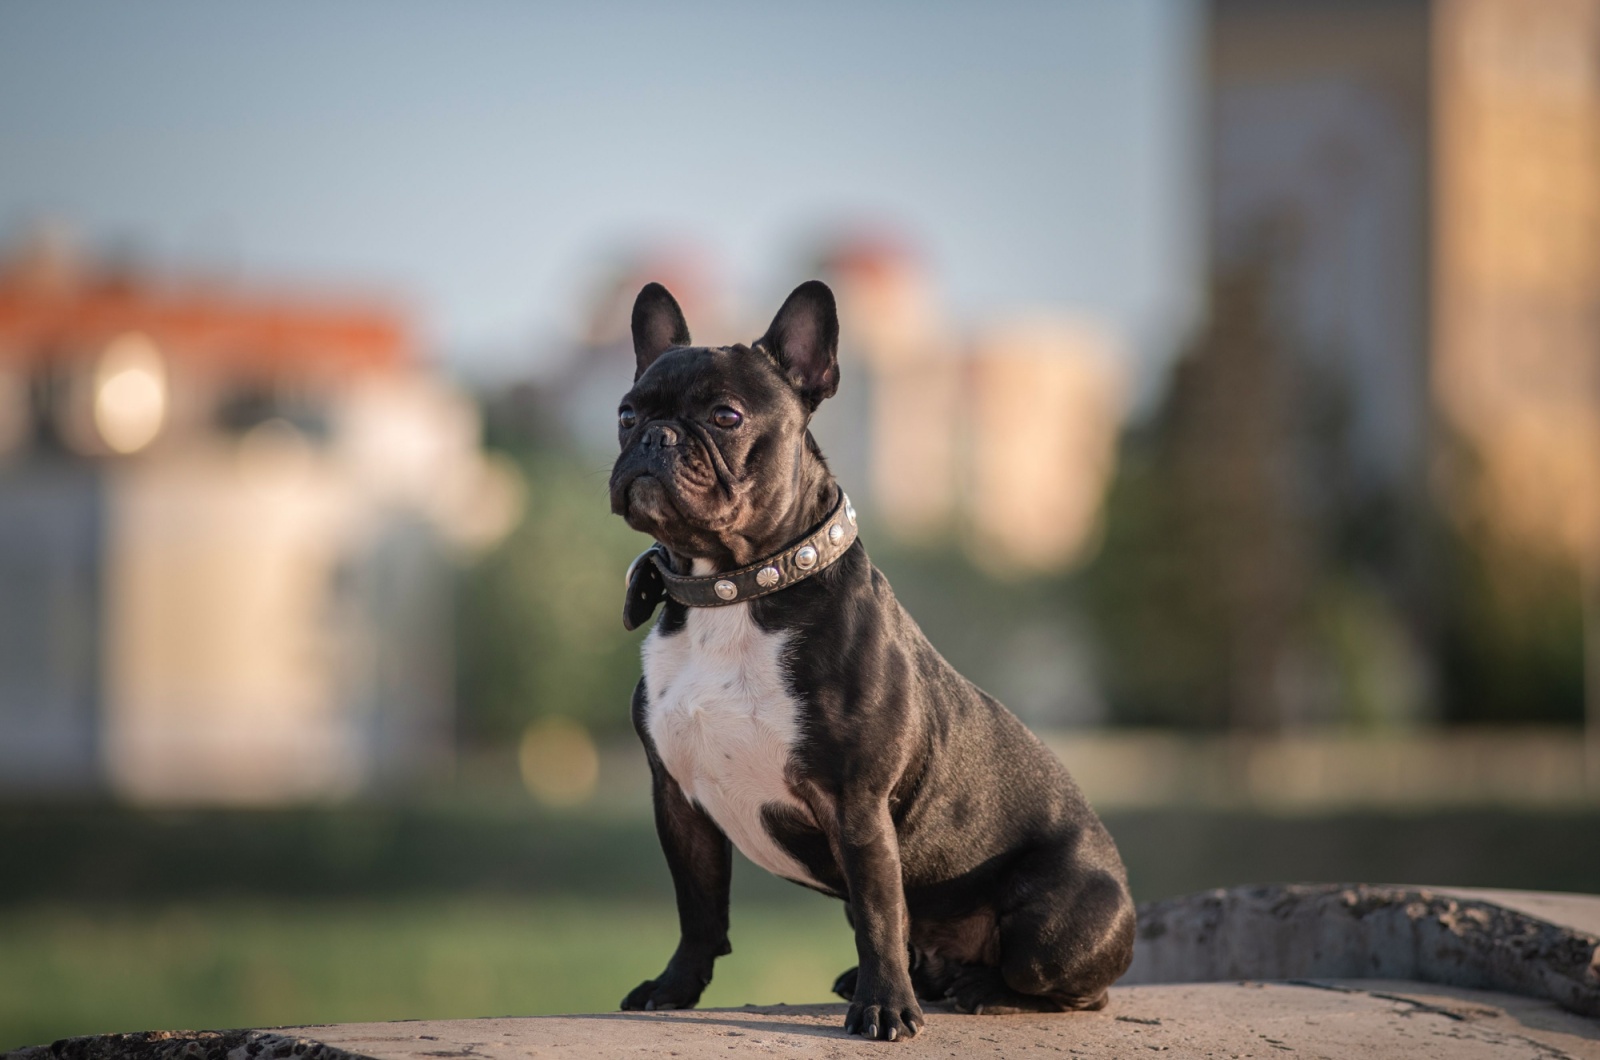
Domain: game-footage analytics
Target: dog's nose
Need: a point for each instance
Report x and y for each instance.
(659, 436)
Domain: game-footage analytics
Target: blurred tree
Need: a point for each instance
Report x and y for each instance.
(1252, 577)
(1204, 577)
(540, 631)
(1510, 618)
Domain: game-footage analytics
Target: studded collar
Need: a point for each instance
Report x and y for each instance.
(650, 578)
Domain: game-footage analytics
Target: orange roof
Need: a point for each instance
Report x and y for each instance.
(230, 331)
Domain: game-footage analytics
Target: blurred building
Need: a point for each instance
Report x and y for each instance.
(225, 525)
(1003, 438)
(1319, 145)
(894, 431)
(1046, 400)
(1517, 252)
(1415, 186)
(1431, 172)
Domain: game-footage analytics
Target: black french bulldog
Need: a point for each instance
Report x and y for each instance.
(790, 705)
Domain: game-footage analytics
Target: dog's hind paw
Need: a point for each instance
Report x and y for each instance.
(982, 991)
(845, 985)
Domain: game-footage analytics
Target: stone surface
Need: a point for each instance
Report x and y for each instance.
(1367, 1019)
(1479, 939)
(1581, 912)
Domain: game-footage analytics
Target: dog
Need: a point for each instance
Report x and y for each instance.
(790, 706)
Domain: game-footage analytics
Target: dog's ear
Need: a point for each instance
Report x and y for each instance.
(804, 339)
(658, 325)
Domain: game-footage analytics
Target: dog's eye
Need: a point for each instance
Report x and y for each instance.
(723, 416)
(626, 418)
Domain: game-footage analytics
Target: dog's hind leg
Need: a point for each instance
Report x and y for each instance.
(1066, 934)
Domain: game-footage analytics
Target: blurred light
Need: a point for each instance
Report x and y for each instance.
(559, 763)
(492, 499)
(130, 393)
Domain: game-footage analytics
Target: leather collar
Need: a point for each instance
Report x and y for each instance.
(650, 576)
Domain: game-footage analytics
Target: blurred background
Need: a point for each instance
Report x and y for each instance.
(1221, 389)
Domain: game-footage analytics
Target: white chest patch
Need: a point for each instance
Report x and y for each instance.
(725, 724)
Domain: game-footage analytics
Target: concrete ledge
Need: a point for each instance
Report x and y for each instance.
(1365, 1019)
(1534, 945)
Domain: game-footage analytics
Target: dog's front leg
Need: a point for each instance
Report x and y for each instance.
(701, 861)
(884, 1005)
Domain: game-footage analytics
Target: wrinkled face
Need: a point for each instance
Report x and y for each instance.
(715, 452)
(712, 444)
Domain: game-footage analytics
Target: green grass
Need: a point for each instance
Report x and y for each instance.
(218, 963)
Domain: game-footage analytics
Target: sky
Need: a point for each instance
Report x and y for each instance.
(484, 161)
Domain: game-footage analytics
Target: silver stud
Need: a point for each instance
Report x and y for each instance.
(767, 577)
(726, 589)
(806, 558)
(850, 511)
(835, 532)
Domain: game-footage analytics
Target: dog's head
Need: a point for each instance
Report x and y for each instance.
(716, 456)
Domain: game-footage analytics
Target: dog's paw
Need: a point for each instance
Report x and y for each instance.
(845, 985)
(884, 1011)
(982, 991)
(667, 992)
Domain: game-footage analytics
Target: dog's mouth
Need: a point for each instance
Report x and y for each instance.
(647, 500)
